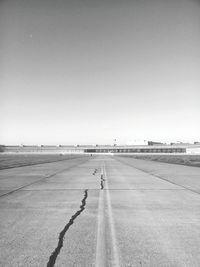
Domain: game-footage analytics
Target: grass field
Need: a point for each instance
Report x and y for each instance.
(19, 160)
(189, 160)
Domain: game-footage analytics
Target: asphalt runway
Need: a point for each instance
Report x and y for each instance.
(100, 211)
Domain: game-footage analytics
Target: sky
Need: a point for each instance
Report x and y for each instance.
(91, 71)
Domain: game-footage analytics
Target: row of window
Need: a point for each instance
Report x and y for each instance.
(139, 150)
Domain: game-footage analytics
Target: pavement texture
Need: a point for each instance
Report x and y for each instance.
(100, 211)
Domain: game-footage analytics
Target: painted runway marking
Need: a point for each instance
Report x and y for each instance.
(101, 242)
(115, 254)
(104, 200)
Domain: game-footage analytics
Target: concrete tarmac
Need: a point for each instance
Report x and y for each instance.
(100, 211)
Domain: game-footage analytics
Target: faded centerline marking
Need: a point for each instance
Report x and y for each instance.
(101, 240)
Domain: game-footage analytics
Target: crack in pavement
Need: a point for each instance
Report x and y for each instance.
(55, 253)
(102, 182)
(95, 171)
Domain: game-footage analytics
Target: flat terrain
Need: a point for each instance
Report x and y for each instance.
(17, 160)
(185, 159)
(100, 211)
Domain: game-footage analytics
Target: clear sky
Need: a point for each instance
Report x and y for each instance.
(89, 71)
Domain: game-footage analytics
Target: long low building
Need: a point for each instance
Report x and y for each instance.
(143, 149)
(102, 149)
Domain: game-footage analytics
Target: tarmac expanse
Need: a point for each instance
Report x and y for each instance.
(100, 211)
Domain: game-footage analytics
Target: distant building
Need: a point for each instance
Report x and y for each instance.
(180, 143)
(152, 143)
(151, 148)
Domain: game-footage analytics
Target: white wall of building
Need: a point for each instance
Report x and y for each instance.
(193, 150)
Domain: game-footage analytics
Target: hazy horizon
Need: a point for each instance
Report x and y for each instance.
(88, 72)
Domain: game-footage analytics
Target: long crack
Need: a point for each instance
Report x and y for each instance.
(55, 253)
(102, 182)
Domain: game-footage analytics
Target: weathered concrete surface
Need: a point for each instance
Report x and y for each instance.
(16, 178)
(145, 219)
(157, 222)
(185, 176)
